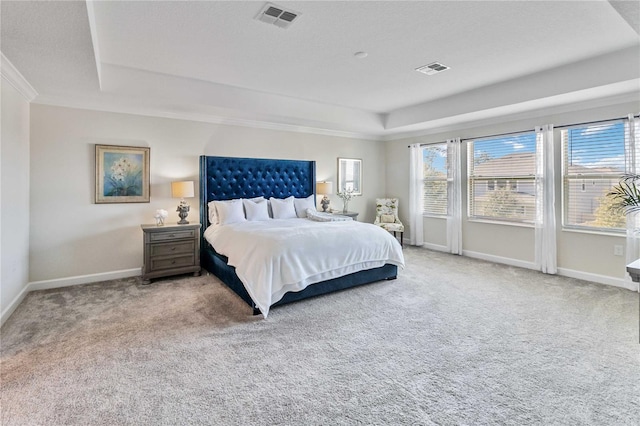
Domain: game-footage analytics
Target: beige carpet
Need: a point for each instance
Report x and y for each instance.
(452, 341)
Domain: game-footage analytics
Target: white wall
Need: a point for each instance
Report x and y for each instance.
(588, 256)
(73, 237)
(14, 198)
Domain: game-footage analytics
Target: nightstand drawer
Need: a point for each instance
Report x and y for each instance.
(161, 249)
(174, 235)
(172, 262)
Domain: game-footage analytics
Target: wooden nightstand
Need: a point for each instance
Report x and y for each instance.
(170, 250)
(352, 215)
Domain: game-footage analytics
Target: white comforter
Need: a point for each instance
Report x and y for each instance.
(273, 257)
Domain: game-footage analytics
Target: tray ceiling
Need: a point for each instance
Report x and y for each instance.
(214, 61)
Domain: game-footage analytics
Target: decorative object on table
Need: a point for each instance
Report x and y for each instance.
(182, 190)
(324, 188)
(626, 194)
(626, 198)
(387, 216)
(346, 195)
(160, 216)
(350, 174)
(122, 174)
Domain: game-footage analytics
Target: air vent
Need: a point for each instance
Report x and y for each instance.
(432, 68)
(276, 15)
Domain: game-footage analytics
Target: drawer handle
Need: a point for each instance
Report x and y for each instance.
(172, 235)
(173, 248)
(173, 262)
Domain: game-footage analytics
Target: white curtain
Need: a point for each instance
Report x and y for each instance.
(454, 197)
(633, 220)
(545, 222)
(416, 194)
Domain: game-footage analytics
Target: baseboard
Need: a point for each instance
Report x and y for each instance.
(499, 259)
(83, 279)
(587, 276)
(436, 247)
(600, 279)
(13, 305)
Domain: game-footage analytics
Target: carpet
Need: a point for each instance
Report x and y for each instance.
(452, 341)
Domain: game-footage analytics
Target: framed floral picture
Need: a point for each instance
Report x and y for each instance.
(122, 174)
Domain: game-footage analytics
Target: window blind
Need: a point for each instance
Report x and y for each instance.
(435, 179)
(594, 158)
(501, 178)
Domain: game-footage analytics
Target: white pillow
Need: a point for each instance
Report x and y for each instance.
(230, 211)
(213, 215)
(283, 209)
(302, 204)
(256, 210)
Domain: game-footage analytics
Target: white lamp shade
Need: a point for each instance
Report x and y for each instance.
(182, 189)
(324, 188)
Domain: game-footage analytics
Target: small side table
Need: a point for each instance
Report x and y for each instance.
(352, 215)
(634, 270)
(170, 250)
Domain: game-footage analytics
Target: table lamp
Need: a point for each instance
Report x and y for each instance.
(182, 190)
(324, 188)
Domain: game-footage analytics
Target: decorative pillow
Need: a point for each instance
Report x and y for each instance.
(302, 204)
(256, 210)
(230, 211)
(387, 218)
(283, 209)
(313, 214)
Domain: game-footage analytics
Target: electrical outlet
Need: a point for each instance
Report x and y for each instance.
(618, 250)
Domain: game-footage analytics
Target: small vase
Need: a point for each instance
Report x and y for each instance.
(345, 207)
(159, 221)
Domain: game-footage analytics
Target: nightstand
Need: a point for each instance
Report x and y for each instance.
(352, 215)
(170, 250)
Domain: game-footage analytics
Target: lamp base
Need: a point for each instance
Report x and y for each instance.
(325, 203)
(183, 212)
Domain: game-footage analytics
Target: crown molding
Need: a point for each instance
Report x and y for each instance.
(502, 118)
(15, 79)
(199, 117)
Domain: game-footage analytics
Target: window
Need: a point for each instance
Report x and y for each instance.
(434, 158)
(501, 173)
(593, 162)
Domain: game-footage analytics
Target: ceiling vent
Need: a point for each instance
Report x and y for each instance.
(276, 15)
(432, 68)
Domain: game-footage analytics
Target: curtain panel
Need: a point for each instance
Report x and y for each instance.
(633, 219)
(454, 197)
(545, 221)
(416, 194)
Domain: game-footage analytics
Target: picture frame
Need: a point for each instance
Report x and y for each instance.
(122, 174)
(350, 175)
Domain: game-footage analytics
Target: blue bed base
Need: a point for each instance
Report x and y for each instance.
(226, 178)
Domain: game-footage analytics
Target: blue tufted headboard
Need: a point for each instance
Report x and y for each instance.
(226, 178)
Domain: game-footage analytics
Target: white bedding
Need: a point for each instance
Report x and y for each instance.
(275, 256)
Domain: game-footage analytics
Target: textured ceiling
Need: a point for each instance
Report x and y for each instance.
(213, 60)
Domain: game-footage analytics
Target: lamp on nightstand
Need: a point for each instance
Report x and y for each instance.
(324, 188)
(182, 190)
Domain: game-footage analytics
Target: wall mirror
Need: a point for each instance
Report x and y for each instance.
(350, 175)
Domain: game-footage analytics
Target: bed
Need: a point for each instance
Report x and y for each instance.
(230, 178)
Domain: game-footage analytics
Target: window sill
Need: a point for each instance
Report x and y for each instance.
(505, 223)
(620, 234)
(433, 216)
